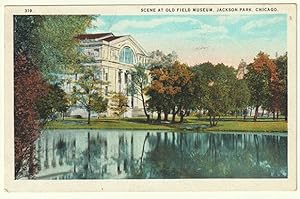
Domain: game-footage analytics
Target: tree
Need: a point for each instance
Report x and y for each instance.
(241, 96)
(28, 88)
(119, 104)
(169, 89)
(263, 83)
(34, 63)
(160, 102)
(58, 47)
(55, 101)
(213, 88)
(281, 63)
(88, 92)
(138, 85)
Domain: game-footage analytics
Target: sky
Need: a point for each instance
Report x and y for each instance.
(196, 38)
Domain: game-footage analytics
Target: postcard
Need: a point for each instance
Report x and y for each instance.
(146, 97)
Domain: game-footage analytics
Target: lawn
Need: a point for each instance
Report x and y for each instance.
(105, 124)
(191, 123)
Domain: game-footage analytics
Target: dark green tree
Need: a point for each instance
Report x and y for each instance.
(213, 86)
(241, 96)
(55, 101)
(281, 63)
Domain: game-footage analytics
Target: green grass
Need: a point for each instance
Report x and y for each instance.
(191, 123)
(104, 124)
(276, 126)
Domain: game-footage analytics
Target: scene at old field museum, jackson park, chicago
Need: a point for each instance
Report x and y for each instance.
(150, 96)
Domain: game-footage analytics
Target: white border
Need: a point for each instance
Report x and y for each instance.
(214, 183)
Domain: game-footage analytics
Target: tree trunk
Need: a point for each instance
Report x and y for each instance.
(256, 113)
(286, 115)
(210, 120)
(181, 116)
(173, 117)
(158, 116)
(277, 115)
(218, 120)
(89, 116)
(144, 108)
(166, 116)
(273, 112)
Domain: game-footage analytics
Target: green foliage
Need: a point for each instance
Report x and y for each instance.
(258, 86)
(214, 89)
(170, 89)
(281, 63)
(119, 104)
(139, 84)
(88, 92)
(49, 41)
(58, 47)
(241, 95)
(56, 101)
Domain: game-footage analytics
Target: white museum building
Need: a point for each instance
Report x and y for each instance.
(114, 56)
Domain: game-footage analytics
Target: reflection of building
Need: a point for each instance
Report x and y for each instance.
(115, 56)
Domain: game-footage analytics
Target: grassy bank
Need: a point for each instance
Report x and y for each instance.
(191, 123)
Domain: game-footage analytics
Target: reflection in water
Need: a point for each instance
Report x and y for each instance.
(112, 154)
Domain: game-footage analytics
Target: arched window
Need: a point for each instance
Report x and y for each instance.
(126, 55)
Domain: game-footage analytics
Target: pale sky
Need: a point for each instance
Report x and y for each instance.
(197, 38)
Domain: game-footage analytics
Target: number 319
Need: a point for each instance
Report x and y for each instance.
(28, 10)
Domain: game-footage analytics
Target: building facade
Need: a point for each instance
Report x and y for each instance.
(114, 57)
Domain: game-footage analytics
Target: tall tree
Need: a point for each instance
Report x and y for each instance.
(241, 96)
(88, 92)
(34, 62)
(170, 86)
(213, 88)
(159, 102)
(28, 88)
(281, 63)
(138, 85)
(263, 82)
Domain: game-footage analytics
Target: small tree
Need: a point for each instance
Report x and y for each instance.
(119, 104)
(88, 92)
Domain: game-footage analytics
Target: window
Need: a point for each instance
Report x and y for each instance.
(126, 55)
(106, 76)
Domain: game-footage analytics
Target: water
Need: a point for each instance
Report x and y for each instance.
(116, 154)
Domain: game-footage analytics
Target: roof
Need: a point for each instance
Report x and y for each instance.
(108, 39)
(104, 36)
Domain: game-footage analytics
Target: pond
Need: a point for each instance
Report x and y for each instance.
(119, 154)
